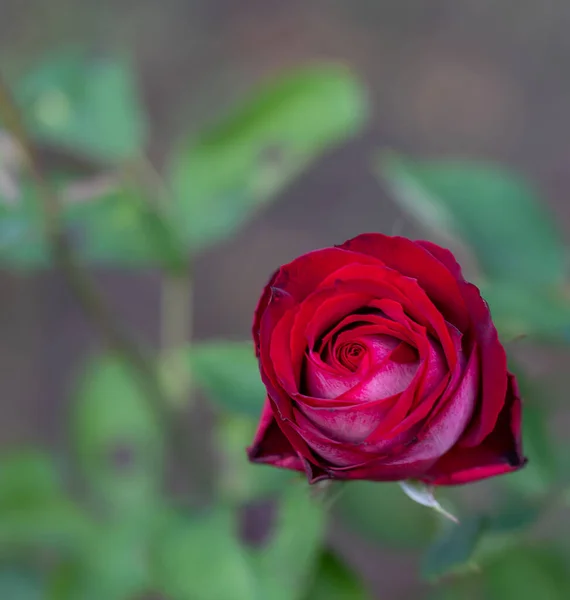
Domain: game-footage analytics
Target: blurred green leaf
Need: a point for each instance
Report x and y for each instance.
(53, 525)
(528, 574)
(17, 584)
(221, 176)
(22, 244)
(497, 214)
(285, 564)
(34, 509)
(453, 549)
(542, 468)
(120, 228)
(87, 105)
(116, 564)
(116, 227)
(466, 587)
(28, 478)
(240, 480)
(480, 538)
(118, 442)
(200, 558)
(334, 580)
(515, 514)
(528, 311)
(229, 374)
(380, 512)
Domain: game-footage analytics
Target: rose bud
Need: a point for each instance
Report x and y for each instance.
(382, 363)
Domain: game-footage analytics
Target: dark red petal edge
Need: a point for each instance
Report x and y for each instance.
(271, 446)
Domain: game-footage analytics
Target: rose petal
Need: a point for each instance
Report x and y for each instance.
(383, 284)
(260, 309)
(500, 452)
(443, 429)
(413, 260)
(270, 444)
(352, 423)
(493, 369)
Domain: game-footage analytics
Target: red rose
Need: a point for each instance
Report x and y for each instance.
(382, 363)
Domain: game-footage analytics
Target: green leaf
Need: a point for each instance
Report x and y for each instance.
(497, 214)
(480, 538)
(120, 228)
(285, 564)
(334, 580)
(224, 174)
(516, 514)
(228, 372)
(18, 584)
(58, 525)
(34, 509)
(528, 574)
(380, 513)
(116, 227)
(200, 558)
(87, 105)
(116, 564)
(528, 311)
(241, 481)
(22, 244)
(28, 478)
(454, 549)
(118, 442)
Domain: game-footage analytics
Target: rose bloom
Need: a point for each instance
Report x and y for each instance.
(382, 363)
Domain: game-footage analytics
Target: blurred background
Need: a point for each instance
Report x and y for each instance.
(474, 80)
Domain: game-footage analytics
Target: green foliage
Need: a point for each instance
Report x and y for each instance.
(35, 511)
(118, 443)
(121, 534)
(122, 228)
(22, 244)
(85, 104)
(224, 174)
(229, 374)
(454, 548)
(528, 573)
(200, 557)
(518, 310)
(218, 179)
(381, 512)
(284, 565)
(115, 564)
(28, 478)
(333, 580)
(479, 538)
(18, 584)
(240, 480)
(498, 215)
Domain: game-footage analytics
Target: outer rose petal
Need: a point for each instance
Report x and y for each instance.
(260, 309)
(493, 358)
(413, 260)
(500, 452)
(270, 445)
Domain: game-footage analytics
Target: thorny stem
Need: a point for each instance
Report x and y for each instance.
(93, 303)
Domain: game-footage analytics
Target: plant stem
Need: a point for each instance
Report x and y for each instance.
(93, 303)
(176, 333)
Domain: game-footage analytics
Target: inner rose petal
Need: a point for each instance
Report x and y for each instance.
(350, 355)
(365, 364)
